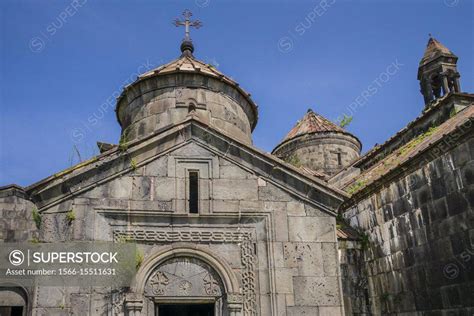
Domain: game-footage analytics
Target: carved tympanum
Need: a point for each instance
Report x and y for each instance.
(185, 276)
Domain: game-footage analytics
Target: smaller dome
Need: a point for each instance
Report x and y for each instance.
(312, 123)
(318, 144)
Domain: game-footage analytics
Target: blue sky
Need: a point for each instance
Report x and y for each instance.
(62, 60)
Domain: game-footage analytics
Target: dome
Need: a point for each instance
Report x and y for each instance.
(318, 144)
(165, 95)
(312, 123)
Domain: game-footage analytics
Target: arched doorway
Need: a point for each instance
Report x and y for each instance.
(185, 282)
(13, 301)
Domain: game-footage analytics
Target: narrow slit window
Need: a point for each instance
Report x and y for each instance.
(339, 159)
(193, 192)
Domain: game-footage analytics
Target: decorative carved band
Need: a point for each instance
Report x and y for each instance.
(244, 239)
(184, 236)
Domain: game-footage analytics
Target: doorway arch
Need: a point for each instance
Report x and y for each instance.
(187, 275)
(13, 300)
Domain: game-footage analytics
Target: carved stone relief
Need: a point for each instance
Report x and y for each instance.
(208, 283)
(184, 277)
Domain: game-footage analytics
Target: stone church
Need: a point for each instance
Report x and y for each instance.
(313, 228)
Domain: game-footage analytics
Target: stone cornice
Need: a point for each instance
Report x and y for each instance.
(115, 163)
(460, 132)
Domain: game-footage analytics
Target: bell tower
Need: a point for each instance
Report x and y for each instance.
(437, 73)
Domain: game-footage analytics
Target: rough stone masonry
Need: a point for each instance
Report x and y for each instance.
(223, 228)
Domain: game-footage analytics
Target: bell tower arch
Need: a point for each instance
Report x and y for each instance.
(437, 73)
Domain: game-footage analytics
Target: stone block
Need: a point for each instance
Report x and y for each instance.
(262, 250)
(274, 206)
(80, 303)
(234, 189)
(303, 311)
(265, 305)
(330, 259)
(141, 188)
(192, 150)
(296, 209)
(164, 188)
(330, 311)
(232, 172)
(312, 229)
(272, 193)
(314, 212)
(278, 255)
(157, 167)
(250, 206)
(120, 188)
(316, 291)
(225, 206)
(306, 257)
(280, 225)
(290, 300)
(264, 282)
(47, 296)
(284, 280)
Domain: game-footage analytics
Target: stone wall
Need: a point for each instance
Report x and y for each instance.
(320, 151)
(354, 277)
(16, 212)
(162, 101)
(420, 235)
(281, 247)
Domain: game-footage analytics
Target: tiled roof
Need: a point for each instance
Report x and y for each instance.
(313, 173)
(347, 233)
(188, 64)
(390, 143)
(433, 50)
(312, 123)
(408, 151)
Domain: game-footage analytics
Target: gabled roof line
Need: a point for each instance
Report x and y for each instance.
(440, 134)
(278, 166)
(270, 180)
(378, 148)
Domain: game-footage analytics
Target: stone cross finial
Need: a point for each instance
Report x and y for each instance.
(187, 23)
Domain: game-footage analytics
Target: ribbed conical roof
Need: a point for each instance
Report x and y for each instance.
(435, 49)
(312, 123)
(187, 63)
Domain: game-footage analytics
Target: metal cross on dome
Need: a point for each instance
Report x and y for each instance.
(187, 23)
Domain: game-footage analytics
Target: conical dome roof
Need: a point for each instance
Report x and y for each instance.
(187, 63)
(312, 123)
(435, 49)
(190, 76)
(315, 143)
